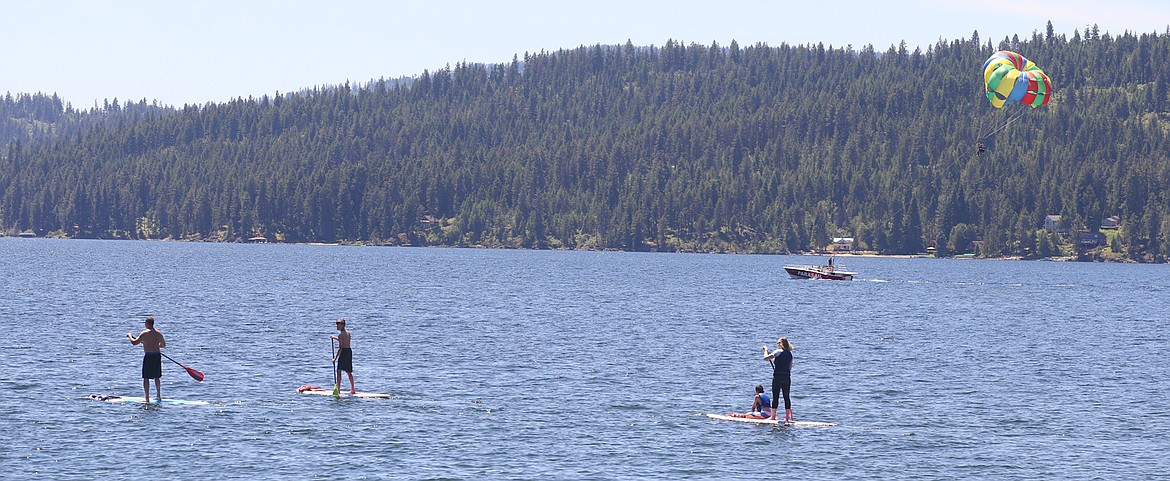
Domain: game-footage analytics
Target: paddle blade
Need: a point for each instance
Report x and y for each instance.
(336, 390)
(198, 376)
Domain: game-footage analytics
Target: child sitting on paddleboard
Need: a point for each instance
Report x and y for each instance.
(761, 406)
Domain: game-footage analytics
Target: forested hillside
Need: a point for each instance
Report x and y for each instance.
(680, 147)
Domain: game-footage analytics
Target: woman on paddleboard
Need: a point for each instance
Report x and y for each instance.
(781, 360)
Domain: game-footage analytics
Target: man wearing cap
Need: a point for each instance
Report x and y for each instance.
(344, 356)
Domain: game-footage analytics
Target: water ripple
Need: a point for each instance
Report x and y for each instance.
(584, 365)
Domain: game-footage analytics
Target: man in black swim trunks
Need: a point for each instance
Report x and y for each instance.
(152, 341)
(344, 356)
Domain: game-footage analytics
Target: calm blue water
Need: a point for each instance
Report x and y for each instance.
(520, 364)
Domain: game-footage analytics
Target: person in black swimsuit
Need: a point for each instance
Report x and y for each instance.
(344, 356)
(781, 360)
(152, 341)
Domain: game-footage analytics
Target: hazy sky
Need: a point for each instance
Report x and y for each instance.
(180, 52)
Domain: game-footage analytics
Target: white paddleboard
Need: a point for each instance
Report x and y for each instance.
(778, 422)
(138, 399)
(346, 394)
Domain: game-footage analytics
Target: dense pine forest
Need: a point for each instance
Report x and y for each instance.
(712, 148)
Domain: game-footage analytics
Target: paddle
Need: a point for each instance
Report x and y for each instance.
(196, 375)
(773, 364)
(336, 375)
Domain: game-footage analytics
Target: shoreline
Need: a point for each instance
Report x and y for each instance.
(857, 254)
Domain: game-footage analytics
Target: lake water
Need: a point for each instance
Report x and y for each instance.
(577, 365)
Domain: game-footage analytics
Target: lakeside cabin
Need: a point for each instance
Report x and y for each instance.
(1091, 240)
(1111, 223)
(1052, 224)
(841, 244)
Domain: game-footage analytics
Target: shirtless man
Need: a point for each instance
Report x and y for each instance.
(344, 356)
(151, 340)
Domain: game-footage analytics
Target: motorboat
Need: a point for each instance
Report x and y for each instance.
(829, 272)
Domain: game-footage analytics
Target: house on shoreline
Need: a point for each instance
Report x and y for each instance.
(841, 244)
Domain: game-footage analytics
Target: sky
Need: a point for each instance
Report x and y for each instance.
(194, 52)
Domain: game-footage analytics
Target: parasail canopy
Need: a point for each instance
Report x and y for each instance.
(1009, 77)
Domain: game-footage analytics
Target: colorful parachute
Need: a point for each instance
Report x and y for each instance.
(1010, 76)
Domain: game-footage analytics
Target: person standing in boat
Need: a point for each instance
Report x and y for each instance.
(152, 341)
(781, 360)
(344, 356)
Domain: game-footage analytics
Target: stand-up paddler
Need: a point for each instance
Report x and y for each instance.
(781, 360)
(152, 342)
(344, 356)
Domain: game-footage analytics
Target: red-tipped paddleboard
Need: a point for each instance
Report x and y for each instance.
(777, 422)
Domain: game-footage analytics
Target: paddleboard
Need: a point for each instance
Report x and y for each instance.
(779, 422)
(346, 394)
(138, 399)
